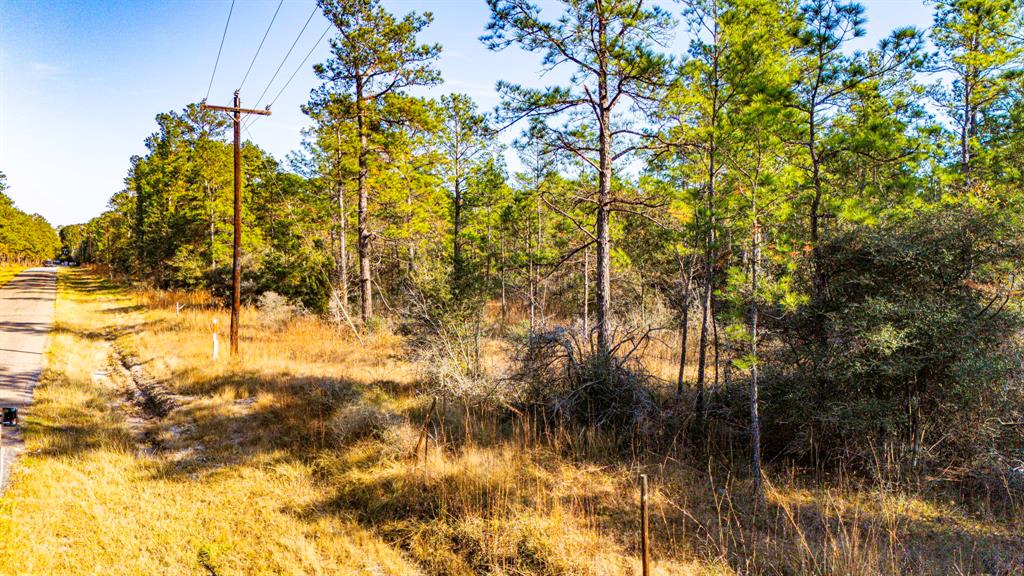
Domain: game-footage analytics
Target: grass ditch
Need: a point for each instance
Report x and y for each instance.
(87, 500)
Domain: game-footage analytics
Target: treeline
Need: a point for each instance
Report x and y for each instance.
(835, 235)
(24, 238)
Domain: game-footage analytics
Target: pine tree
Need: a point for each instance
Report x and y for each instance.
(463, 141)
(980, 44)
(827, 76)
(374, 57)
(608, 45)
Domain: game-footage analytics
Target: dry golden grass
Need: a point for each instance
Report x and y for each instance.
(9, 271)
(298, 459)
(88, 498)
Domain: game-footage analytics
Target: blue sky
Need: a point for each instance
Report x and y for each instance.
(80, 82)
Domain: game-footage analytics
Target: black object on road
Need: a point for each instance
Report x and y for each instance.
(9, 417)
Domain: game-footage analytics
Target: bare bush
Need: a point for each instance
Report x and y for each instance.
(450, 360)
(360, 421)
(276, 310)
(558, 374)
(449, 346)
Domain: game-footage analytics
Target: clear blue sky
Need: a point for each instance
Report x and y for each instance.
(81, 81)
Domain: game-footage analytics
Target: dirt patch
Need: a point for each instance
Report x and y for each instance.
(149, 394)
(148, 405)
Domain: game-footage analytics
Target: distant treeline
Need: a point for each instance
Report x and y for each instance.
(24, 238)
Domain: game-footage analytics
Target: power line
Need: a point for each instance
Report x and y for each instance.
(301, 64)
(285, 59)
(222, 37)
(251, 137)
(269, 26)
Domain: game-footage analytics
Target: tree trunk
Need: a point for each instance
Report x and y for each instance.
(586, 296)
(410, 248)
(366, 288)
(717, 342)
(709, 253)
(969, 126)
(603, 287)
(603, 284)
(755, 418)
(489, 268)
(457, 237)
(702, 346)
(501, 276)
(532, 295)
(684, 327)
(342, 256)
(705, 305)
(812, 148)
(540, 244)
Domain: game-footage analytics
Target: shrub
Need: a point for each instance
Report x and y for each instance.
(912, 345)
(559, 376)
(275, 310)
(447, 324)
(359, 421)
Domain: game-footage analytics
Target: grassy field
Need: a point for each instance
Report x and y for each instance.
(9, 271)
(302, 459)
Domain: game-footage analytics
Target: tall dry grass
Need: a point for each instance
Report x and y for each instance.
(102, 491)
(315, 452)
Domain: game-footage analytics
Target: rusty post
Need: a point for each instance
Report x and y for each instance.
(645, 541)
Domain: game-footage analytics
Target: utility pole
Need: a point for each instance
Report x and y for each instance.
(236, 112)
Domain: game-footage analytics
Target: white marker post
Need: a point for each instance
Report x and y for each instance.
(213, 329)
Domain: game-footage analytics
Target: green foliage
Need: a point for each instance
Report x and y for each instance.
(913, 332)
(463, 139)
(374, 52)
(173, 222)
(375, 59)
(981, 45)
(24, 238)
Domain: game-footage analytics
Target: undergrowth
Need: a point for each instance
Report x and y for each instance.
(316, 453)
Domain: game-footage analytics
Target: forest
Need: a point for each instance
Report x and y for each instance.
(768, 248)
(24, 238)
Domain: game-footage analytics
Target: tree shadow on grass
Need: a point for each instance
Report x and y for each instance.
(110, 333)
(280, 416)
(88, 284)
(62, 431)
(126, 309)
(801, 538)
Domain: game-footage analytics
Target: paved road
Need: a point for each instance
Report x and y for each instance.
(26, 318)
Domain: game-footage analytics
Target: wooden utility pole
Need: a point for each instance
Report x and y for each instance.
(236, 112)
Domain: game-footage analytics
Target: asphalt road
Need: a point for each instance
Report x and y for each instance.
(26, 318)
